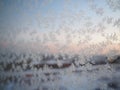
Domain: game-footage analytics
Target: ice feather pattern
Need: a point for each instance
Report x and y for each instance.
(59, 44)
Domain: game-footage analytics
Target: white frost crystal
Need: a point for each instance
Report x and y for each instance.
(112, 59)
(59, 63)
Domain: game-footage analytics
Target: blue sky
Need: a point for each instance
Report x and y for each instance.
(19, 18)
(20, 13)
(24, 12)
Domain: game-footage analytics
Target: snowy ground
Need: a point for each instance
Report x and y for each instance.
(94, 74)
